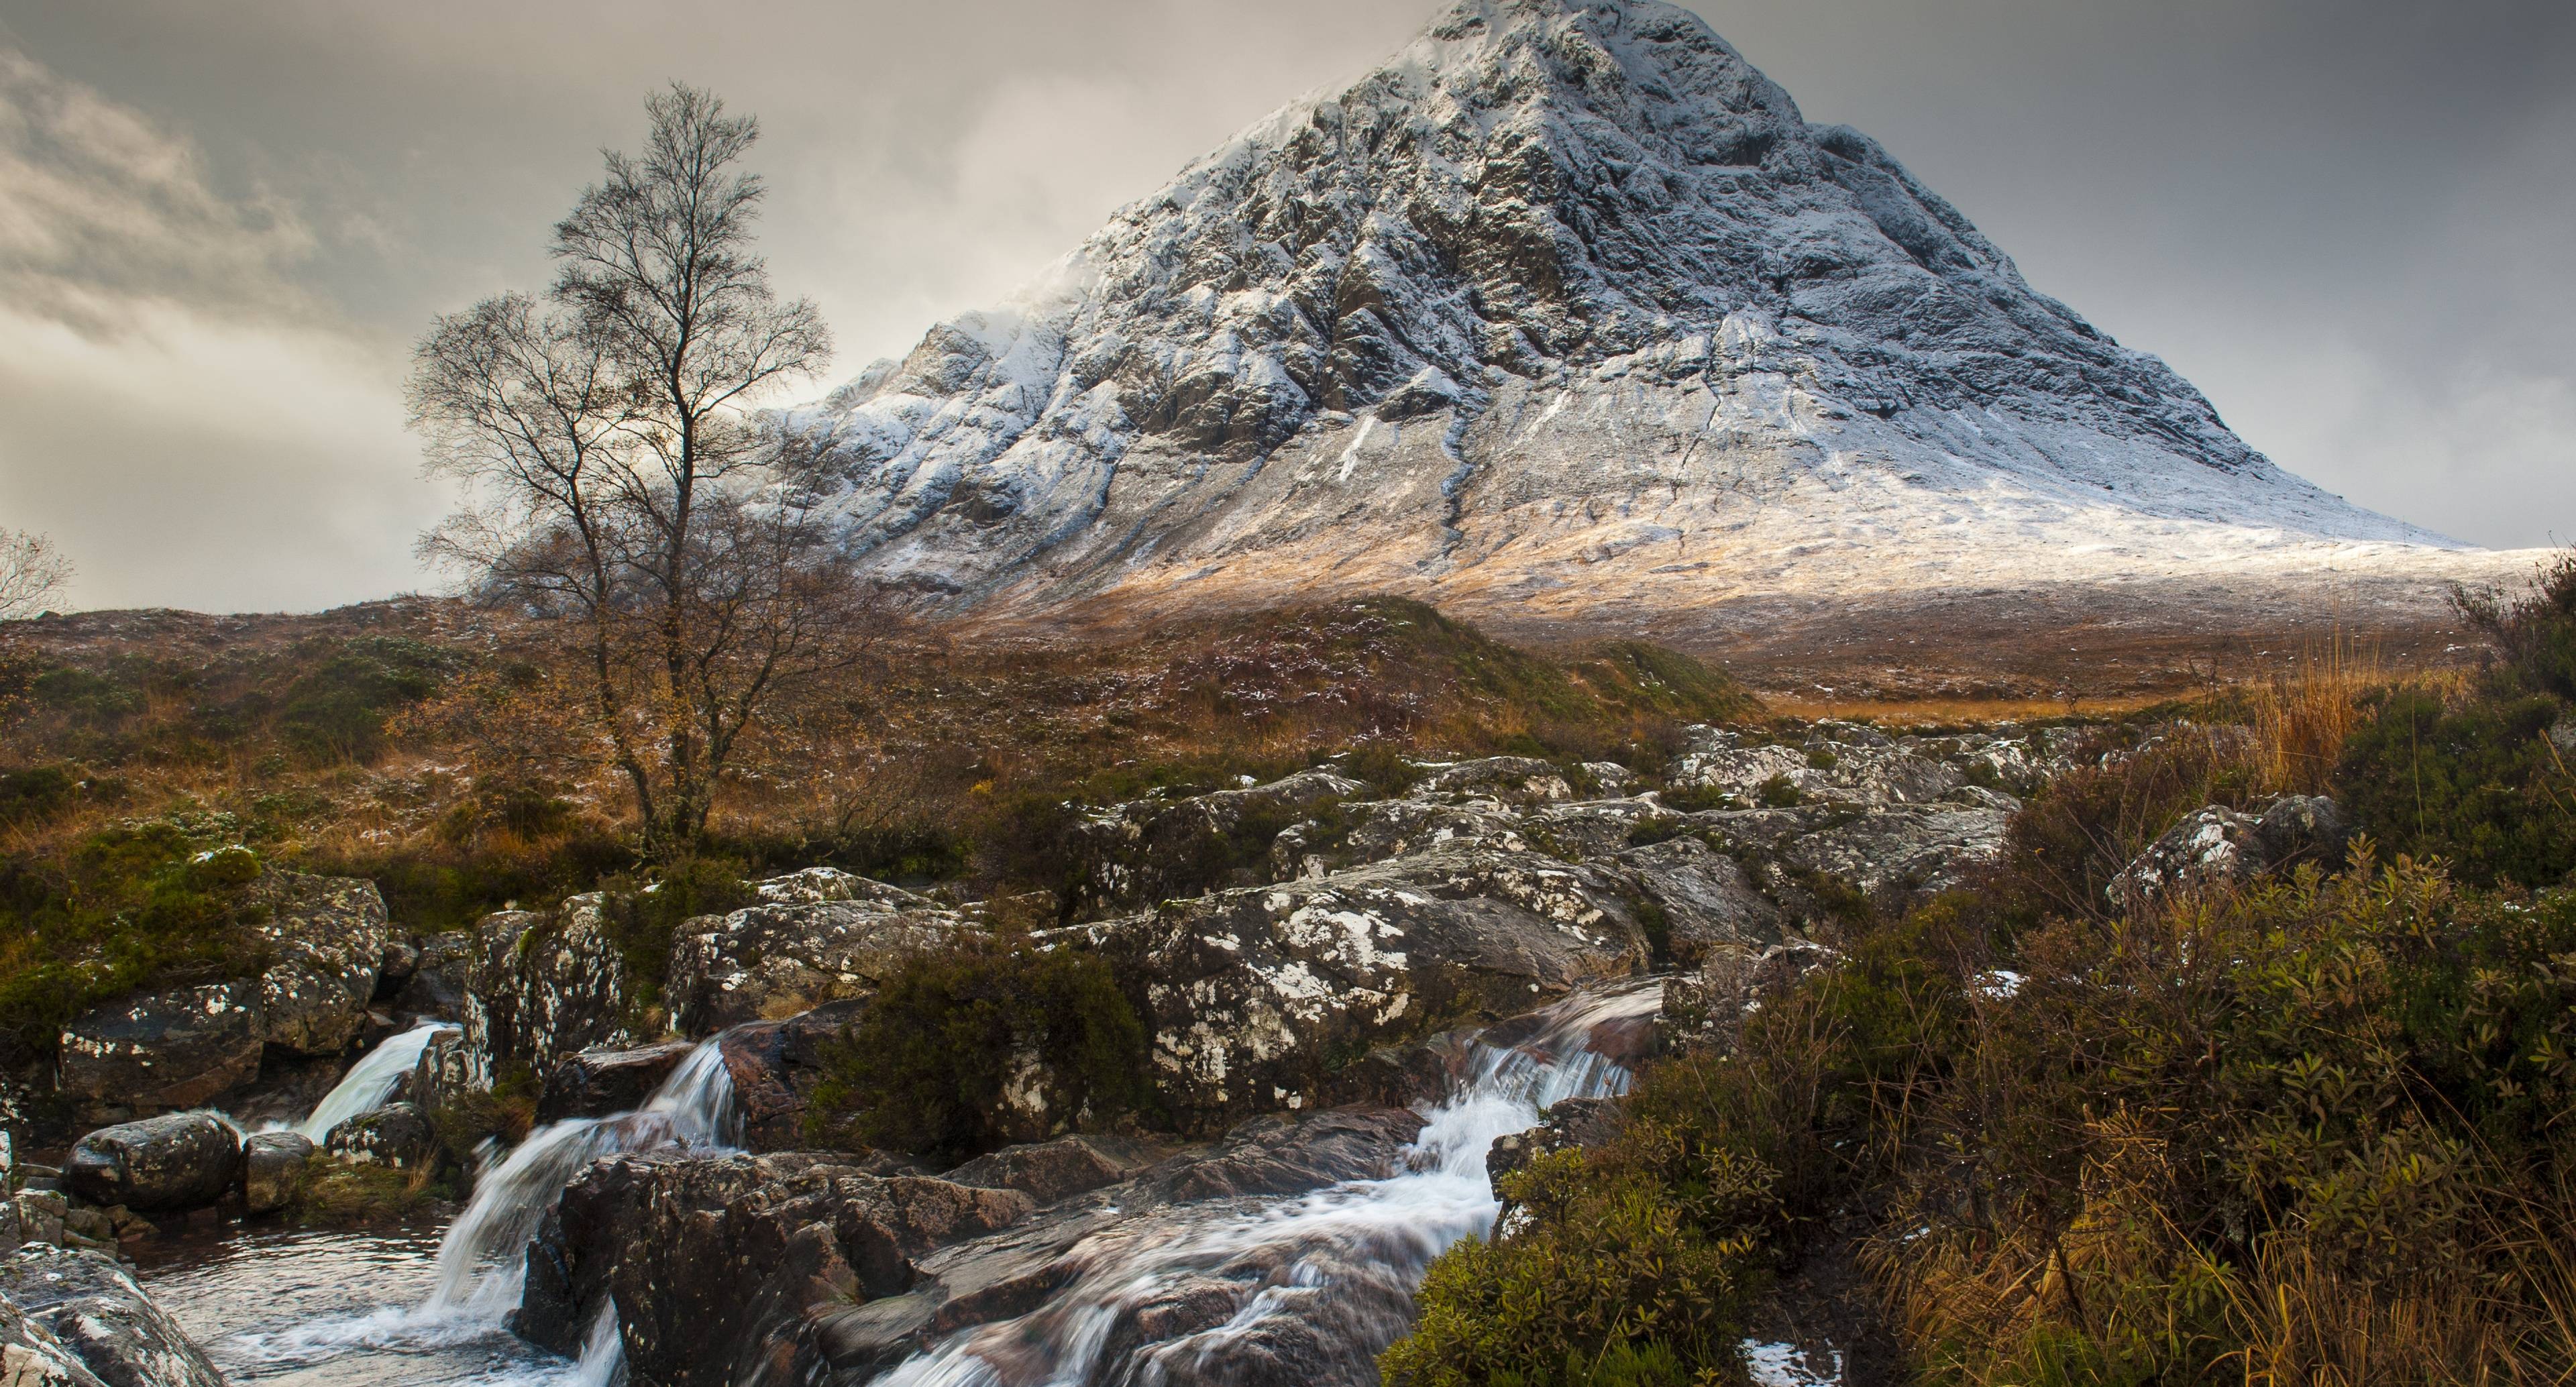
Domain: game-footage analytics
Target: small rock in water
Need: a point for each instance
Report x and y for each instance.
(273, 1169)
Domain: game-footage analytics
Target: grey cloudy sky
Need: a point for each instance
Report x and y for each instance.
(2351, 222)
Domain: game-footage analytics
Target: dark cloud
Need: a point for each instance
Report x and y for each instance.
(2344, 219)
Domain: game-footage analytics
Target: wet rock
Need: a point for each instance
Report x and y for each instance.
(273, 1169)
(444, 1070)
(771, 961)
(438, 980)
(329, 937)
(1511, 779)
(1284, 1153)
(597, 1083)
(30, 1355)
(181, 1160)
(545, 984)
(1254, 995)
(1051, 1171)
(776, 1066)
(1134, 854)
(1395, 1076)
(396, 1135)
(714, 1264)
(1704, 1009)
(170, 1050)
(1703, 897)
(95, 1310)
(2214, 846)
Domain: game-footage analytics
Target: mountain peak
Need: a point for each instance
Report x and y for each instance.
(1565, 294)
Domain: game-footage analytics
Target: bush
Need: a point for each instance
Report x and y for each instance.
(2484, 776)
(642, 917)
(337, 709)
(928, 1067)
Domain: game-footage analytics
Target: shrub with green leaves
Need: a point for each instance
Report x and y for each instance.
(927, 1068)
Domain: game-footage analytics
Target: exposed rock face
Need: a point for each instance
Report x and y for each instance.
(1703, 897)
(273, 1170)
(1253, 993)
(444, 1069)
(1564, 311)
(439, 977)
(1135, 854)
(93, 1308)
(771, 961)
(597, 1083)
(544, 984)
(30, 1355)
(1512, 779)
(776, 1066)
(330, 940)
(180, 1160)
(1704, 1008)
(171, 1050)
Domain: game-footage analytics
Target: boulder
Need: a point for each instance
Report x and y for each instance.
(1052, 1171)
(397, 1135)
(273, 1169)
(1255, 997)
(1511, 779)
(776, 1067)
(2302, 828)
(394, 972)
(772, 961)
(1702, 897)
(96, 1311)
(445, 1069)
(329, 937)
(1573, 1124)
(714, 1263)
(544, 984)
(2213, 846)
(30, 1355)
(1135, 854)
(170, 1050)
(599, 1083)
(40, 1215)
(182, 1160)
(439, 978)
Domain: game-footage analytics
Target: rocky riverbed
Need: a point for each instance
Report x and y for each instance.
(1378, 997)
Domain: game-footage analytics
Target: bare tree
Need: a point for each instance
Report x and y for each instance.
(617, 474)
(32, 572)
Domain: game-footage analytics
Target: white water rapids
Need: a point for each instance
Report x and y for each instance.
(367, 1084)
(1332, 1270)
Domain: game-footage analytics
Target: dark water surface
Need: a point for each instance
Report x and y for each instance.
(331, 1308)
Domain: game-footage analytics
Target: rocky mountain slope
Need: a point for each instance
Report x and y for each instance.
(1563, 313)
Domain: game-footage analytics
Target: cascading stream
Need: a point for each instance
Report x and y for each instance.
(370, 1081)
(1317, 1279)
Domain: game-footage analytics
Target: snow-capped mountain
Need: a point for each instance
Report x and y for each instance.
(1563, 311)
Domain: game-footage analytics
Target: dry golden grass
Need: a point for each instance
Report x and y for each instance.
(1956, 712)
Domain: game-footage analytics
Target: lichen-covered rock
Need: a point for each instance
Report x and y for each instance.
(544, 984)
(714, 1264)
(397, 1135)
(1511, 779)
(94, 1308)
(273, 1169)
(1375, 830)
(2213, 846)
(329, 937)
(444, 1070)
(181, 1160)
(772, 961)
(1256, 996)
(169, 1050)
(1702, 898)
(2302, 828)
(1135, 854)
(598, 1083)
(439, 977)
(1887, 857)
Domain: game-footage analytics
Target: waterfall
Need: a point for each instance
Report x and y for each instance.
(1343, 1260)
(482, 1261)
(364, 1088)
